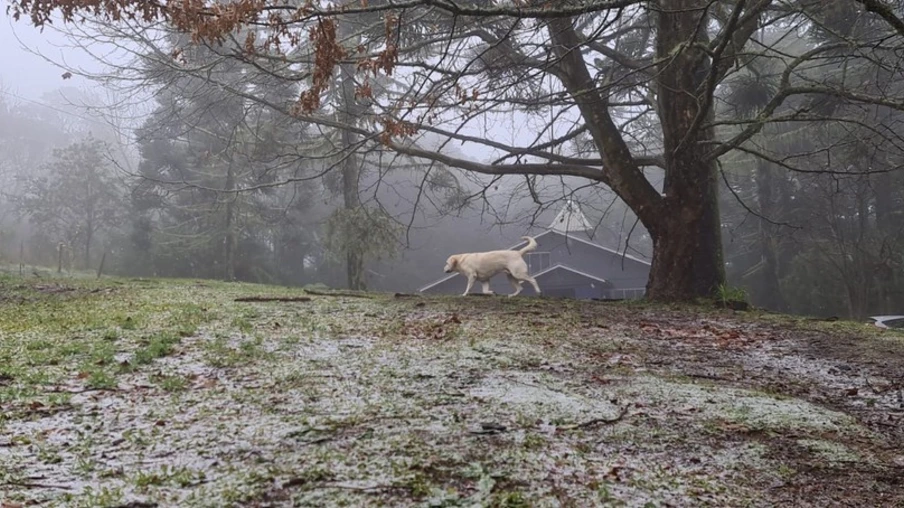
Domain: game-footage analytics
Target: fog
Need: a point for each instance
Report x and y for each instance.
(197, 170)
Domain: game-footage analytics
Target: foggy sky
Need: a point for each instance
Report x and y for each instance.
(28, 75)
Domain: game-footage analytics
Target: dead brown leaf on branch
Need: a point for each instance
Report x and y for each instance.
(214, 22)
(327, 54)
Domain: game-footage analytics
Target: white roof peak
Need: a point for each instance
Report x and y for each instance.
(570, 219)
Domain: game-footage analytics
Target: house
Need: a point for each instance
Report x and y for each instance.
(567, 263)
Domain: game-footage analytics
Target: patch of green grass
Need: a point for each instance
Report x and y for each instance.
(102, 353)
(100, 379)
(188, 318)
(171, 383)
(38, 377)
(221, 354)
(726, 293)
(603, 492)
(786, 472)
(509, 500)
(92, 497)
(534, 442)
(168, 475)
(85, 464)
(829, 451)
(71, 348)
(242, 324)
(127, 322)
(157, 345)
(419, 485)
(49, 455)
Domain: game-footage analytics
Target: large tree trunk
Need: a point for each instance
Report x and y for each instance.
(687, 238)
(354, 257)
(89, 234)
(684, 223)
(889, 210)
(771, 287)
(229, 237)
(687, 244)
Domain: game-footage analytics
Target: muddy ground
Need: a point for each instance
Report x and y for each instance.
(172, 393)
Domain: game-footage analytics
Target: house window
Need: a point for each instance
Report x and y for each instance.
(537, 261)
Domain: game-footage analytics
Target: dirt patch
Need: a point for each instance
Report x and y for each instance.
(852, 375)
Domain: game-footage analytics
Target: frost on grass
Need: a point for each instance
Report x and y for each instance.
(831, 451)
(534, 396)
(367, 402)
(754, 409)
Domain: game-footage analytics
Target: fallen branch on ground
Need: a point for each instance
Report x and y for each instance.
(490, 428)
(273, 299)
(35, 485)
(40, 409)
(336, 294)
(303, 482)
(596, 421)
(705, 376)
(60, 389)
(315, 441)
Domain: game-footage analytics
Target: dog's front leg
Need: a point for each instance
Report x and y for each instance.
(471, 280)
(486, 287)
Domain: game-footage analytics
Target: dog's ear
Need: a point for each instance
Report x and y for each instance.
(453, 261)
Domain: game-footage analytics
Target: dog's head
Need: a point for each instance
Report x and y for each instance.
(451, 264)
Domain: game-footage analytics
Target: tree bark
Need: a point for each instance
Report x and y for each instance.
(687, 237)
(771, 287)
(229, 237)
(684, 221)
(348, 113)
(100, 269)
(89, 233)
(888, 209)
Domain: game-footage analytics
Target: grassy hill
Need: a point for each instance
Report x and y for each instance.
(172, 393)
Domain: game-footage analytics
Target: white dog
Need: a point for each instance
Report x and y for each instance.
(481, 266)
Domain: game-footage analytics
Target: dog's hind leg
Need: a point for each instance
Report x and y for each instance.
(471, 281)
(533, 282)
(515, 284)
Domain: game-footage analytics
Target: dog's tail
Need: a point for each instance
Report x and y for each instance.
(531, 245)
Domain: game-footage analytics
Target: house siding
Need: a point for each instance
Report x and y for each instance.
(624, 274)
(563, 282)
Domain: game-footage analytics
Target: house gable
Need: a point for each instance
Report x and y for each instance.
(557, 237)
(570, 219)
